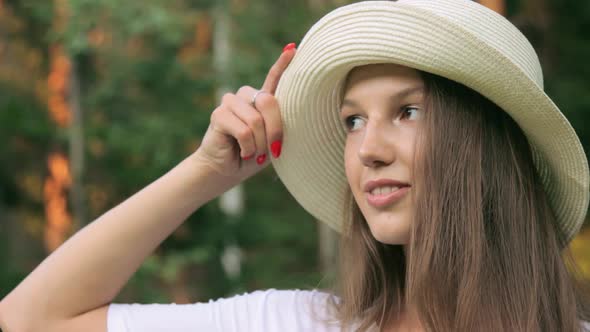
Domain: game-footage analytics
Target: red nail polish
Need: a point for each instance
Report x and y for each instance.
(275, 147)
(248, 157)
(260, 159)
(289, 46)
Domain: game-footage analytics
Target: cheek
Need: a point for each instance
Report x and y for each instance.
(406, 148)
(406, 154)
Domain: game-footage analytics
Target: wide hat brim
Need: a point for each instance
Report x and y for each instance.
(457, 39)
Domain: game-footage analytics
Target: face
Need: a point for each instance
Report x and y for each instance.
(381, 110)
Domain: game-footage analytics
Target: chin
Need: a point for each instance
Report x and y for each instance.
(391, 239)
(387, 234)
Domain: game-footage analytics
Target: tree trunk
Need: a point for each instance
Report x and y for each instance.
(534, 20)
(231, 202)
(76, 138)
(499, 6)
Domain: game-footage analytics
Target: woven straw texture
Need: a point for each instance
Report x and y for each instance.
(458, 39)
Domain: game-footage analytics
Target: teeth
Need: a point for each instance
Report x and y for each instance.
(385, 190)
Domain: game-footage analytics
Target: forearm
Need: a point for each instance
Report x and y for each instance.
(91, 267)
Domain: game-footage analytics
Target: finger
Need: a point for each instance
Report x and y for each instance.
(227, 123)
(253, 118)
(276, 71)
(268, 108)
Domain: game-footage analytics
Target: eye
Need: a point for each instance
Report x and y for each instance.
(352, 122)
(407, 112)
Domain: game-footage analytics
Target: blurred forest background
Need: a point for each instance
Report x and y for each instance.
(98, 98)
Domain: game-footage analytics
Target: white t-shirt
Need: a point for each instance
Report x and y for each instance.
(263, 310)
(260, 311)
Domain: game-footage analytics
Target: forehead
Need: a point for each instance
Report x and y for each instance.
(397, 73)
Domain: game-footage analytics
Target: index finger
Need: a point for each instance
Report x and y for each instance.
(276, 71)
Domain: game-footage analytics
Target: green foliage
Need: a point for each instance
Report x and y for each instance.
(151, 105)
(568, 81)
(163, 21)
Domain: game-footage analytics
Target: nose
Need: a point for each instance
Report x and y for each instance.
(376, 148)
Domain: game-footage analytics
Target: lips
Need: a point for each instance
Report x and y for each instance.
(384, 192)
(369, 186)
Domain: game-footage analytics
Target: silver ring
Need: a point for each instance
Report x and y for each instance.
(253, 102)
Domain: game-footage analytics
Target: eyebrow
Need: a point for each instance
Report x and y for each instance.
(402, 94)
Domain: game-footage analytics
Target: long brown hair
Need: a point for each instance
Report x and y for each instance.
(485, 253)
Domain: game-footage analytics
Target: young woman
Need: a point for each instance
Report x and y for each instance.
(420, 130)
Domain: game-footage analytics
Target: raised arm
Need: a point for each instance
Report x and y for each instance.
(72, 288)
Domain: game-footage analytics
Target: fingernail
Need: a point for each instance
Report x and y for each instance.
(248, 157)
(289, 46)
(260, 159)
(275, 147)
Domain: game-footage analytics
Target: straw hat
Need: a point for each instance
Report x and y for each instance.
(457, 39)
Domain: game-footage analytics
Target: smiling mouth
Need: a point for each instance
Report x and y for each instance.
(385, 196)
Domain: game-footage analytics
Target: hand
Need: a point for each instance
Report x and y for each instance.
(239, 137)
